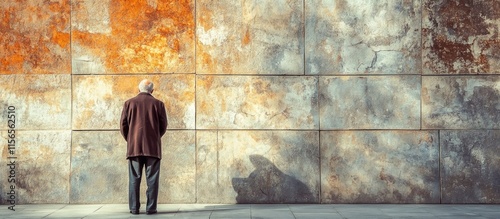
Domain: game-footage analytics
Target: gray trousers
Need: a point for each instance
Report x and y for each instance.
(136, 165)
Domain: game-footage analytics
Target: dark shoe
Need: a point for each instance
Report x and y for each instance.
(152, 212)
(134, 212)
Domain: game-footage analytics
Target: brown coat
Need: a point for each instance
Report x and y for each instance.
(142, 124)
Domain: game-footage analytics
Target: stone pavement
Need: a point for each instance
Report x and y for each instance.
(313, 211)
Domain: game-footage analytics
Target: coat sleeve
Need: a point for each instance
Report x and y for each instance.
(124, 123)
(163, 122)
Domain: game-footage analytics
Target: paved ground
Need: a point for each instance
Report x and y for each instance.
(256, 211)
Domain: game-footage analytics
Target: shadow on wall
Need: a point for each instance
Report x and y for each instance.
(268, 184)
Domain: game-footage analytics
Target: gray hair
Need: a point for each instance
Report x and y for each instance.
(146, 86)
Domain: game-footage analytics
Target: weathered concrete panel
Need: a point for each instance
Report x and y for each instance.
(460, 37)
(207, 183)
(459, 102)
(35, 37)
(470, 166)
(373, 102)
(379, 167)
(352, 37)
(42, 166)
(253, 102)
(40, 101)
(258, 167)
(178, 179)
(99, 169)
(135, 36)
(98, 100)
(249, 37)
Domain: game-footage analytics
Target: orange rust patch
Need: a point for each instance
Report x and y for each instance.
(246, 38)
(61, 39)
(205, 18)
(29, 31)
(127, 85)
(187, 96)
(176, 45)
(206, 82)
(142, 38)
(6, 19)
(207, 61)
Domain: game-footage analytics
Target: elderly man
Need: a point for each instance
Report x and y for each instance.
(143, 123)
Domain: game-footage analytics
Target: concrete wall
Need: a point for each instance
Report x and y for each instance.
(273, 101)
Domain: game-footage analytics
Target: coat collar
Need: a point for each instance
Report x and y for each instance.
(144, 93)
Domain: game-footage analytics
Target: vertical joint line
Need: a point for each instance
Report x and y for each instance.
(319, 166)
(71, 98)
(304, 36)
(439, 169)
(195, 102)
(217, 160)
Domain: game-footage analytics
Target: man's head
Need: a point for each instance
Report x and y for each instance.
(146, 86)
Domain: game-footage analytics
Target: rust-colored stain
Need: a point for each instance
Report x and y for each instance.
(246, 38)
(463, 36)
(35, 37)
(126, 85)
(143, 37)
(205, 82)
(205, 18)
(452, 52)
(207, 62)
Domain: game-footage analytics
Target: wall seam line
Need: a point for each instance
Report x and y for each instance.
(195, 101)
(71, 99)
(439, 169)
